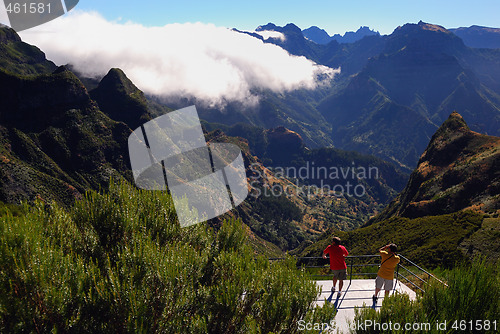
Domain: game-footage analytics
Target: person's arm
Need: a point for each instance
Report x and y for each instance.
(383, 248)
(345, 252)
(324, 253)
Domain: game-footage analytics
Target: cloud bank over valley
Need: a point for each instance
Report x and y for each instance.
(210, 63)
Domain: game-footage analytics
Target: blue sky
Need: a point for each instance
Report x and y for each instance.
(333, 16)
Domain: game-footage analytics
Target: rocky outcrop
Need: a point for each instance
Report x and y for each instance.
(460, 169)
(283, 144)
(121, 100)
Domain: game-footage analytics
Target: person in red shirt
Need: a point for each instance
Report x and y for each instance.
(337, 254)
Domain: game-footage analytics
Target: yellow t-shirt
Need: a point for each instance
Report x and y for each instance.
(389, 263)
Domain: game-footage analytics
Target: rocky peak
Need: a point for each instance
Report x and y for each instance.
(120, 99)
(289, 29)
(283, 144)
(431, 27)
(317, 35)
(448, 142)
(424, 37)
(266, 27)
(292, 28)
(116, 80)
(453, 126)
(460, 169)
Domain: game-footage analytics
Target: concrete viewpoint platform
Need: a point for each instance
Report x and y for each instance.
(359, 292)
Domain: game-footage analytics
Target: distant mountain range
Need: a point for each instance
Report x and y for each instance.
(320, 36)
(479, 37)
(62, 134)
(395, 90)
(473, 36)
(390, 97)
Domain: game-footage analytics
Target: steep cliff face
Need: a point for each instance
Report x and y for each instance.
(54, 141)
(32, 103)
(460, 169)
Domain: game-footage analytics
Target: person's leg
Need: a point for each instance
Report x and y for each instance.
(378, 286)
(334, 280)
(341, 284)
(379, 282)
(388, 284)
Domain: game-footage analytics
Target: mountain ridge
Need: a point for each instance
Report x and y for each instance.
(423, 74)
(479, 36)
(320, 36)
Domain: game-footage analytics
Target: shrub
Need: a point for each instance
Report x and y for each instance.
(118, 262)
(471, 298)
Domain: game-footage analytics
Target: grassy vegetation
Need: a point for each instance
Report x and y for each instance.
(10, 209)
(118, 262)
(469, 304)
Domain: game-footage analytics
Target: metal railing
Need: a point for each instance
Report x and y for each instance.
(412, 279)
(418, 277)
(406, 272)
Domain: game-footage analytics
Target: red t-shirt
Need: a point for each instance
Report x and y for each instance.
(337, 256)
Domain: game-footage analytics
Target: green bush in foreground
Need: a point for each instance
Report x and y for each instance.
(470, 304)
(118, 262)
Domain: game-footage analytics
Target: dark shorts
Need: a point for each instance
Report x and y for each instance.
(340, 274)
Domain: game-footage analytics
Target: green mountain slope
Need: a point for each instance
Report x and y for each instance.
(294, 110)
(55, 143)
(19, 57)
(431, 241)
(284, 175)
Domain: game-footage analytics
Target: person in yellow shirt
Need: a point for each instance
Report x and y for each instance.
(385, 275)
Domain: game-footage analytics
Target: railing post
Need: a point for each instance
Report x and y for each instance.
(350, 276)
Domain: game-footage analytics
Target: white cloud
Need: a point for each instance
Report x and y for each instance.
(266, 34)
(193, 59)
